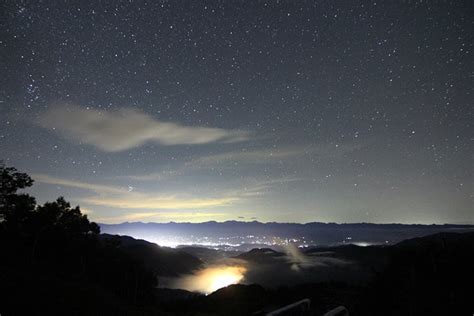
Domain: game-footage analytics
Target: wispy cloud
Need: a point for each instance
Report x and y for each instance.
(127, 128)
(156, 176)
(161, 216)
(144, 201)
(99, 188)
(153, 206)
(260, 187)
(245, 157)
(278, 154)
(222, 160)
(257, 156)
(123, 198)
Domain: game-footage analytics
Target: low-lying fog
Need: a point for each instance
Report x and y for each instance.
(269, 269)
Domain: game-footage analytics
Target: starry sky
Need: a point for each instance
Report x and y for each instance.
(288, 111)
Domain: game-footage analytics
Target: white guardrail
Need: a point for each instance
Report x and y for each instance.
(299, 308)
(302, 308)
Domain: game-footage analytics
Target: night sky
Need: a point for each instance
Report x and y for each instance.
(288, 111)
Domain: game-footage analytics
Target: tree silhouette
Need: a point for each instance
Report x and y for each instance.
(15, 209)
(55, 245)
(60, 215)
(11, 180)
(19, 212)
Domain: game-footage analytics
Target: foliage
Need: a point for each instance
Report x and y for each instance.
(53, 260)
(60, 214)
(15, 208)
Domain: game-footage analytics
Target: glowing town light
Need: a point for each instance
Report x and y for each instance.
(223, 277)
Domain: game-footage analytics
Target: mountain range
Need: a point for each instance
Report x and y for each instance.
(243, 236)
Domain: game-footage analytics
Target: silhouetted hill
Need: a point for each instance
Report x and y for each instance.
(347, 263)
(261, 255)
(431, 275)
(236, 292)
(440, 241)
(373, 257)
(238, 299)
(161, 260)
(71, 275)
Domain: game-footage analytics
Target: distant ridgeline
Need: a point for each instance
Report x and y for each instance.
(246, 235)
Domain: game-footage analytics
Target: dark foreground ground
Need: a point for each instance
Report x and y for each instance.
(431, 275)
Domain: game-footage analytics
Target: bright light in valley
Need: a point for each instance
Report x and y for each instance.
(212, 278)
